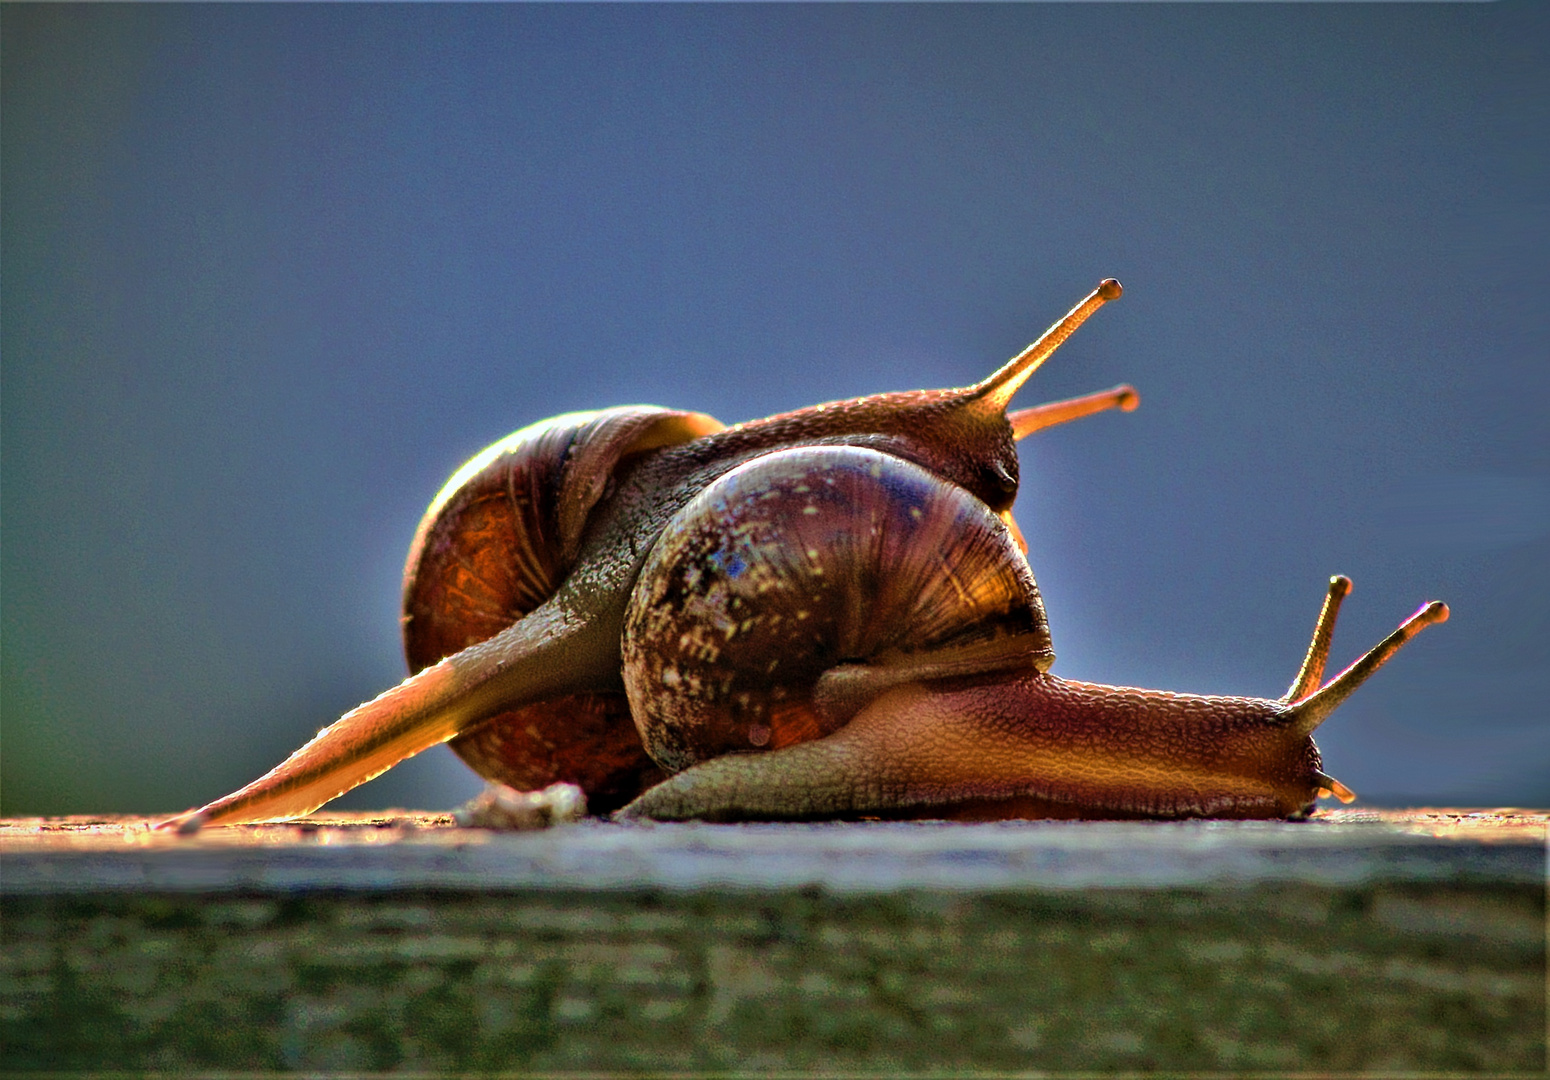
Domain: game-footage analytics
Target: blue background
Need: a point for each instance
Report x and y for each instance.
(270, 273)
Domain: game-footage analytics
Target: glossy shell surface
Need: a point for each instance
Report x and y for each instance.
(495, 544)
(794, 563)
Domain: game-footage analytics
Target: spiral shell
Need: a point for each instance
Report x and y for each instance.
(800, 562)
(495, 544)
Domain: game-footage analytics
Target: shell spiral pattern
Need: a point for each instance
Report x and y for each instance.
(800, 562)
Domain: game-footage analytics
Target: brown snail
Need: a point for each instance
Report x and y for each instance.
(825, 613)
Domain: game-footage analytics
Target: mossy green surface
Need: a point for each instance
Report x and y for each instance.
(1271, 978)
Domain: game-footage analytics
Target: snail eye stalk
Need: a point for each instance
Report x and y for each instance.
(994, 393)
(1026, 421)
(1311, 711)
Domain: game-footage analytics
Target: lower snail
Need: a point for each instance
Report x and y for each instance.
(823, 614)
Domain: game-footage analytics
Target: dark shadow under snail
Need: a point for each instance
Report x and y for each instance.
(822, 614)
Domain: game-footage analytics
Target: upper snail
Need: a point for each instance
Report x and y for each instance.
(826, 613)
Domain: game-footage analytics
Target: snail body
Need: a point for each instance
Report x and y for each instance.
(920, 686)
(825, 613)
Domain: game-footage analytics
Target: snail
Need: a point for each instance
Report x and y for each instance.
(827, 613)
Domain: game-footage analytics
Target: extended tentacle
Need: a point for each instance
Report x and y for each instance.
(995, 392)
(1026, 421)
(1312, 671)
(1307, 714)
(1328, 786)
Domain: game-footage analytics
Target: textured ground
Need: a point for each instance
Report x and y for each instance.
(1360, 942)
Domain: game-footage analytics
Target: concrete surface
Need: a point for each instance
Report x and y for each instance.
(1360, 942)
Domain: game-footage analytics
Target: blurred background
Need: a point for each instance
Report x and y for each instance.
(271, 273)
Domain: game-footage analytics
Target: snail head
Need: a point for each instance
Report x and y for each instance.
(966, 435)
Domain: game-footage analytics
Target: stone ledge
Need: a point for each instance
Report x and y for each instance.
(1357, 944)
(399, 850)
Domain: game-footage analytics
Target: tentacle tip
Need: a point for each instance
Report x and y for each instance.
(192, 824)
(1128, 399)
(185, 824)
(1110, 289)
(1433, 613)
(1340, 585)
(1328, 785)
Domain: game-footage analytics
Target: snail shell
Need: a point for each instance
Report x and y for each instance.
(805, 566)
(495, 543)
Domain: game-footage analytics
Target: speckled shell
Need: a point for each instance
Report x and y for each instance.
(795, 563)
(495, 544)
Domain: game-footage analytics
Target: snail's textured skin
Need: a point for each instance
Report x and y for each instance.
(1030, 745)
